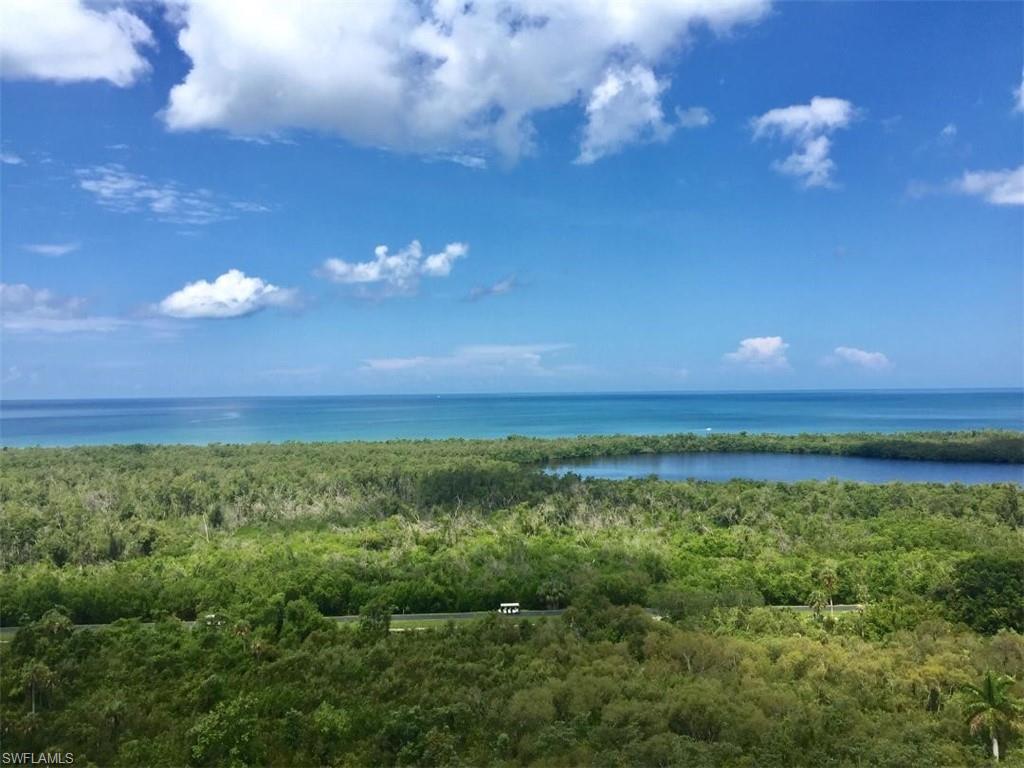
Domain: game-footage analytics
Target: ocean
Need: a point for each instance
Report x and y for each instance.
(277, 419)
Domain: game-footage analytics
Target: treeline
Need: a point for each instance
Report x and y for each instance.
(985, 445)
(994, 446)
(601, 686)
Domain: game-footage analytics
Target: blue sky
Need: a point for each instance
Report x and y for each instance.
(675, 198)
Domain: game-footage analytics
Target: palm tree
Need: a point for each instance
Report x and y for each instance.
(992, 709)
(827, 581)
(817, 601)
(36, 678)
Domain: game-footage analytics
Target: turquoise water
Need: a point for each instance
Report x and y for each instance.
(276, 419)
(791, 468)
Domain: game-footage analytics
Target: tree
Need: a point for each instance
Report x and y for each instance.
(35, 679)
(987, 592)
(817, 601)
(375, 618)
(228, 735)
(992, 709)
(301, 619)
(863, 594)
(827, 579)
(554, 592)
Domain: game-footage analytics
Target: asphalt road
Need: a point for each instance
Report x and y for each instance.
(458, 616)
(398, 618)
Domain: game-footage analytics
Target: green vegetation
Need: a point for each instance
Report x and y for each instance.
(993, 710)
(270, 539)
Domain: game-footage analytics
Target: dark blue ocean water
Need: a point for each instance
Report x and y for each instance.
(275, 419)
(790, 468)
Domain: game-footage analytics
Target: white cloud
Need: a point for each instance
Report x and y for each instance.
(1005, 187)
(624, 107)
(480, 359)
(24, 309)
(440, 264)
(9, 158)
(808, 126)
(118, 189)
(402, 363)
(948, 133)
(51, 249)
(812, 163)
(400, 272)
(432, 77)
(875, 361)
(249, 207)
(694, 117)
(805, 121)
(467, 161)
(230, 295)
(507, 285)
(12, 374)
(66, 41)
(761, 352)
(1018, 92)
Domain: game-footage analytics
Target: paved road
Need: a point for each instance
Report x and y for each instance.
(398, 618)
(458, 616)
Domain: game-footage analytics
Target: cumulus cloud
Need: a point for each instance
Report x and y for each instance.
(23, 309)
(624, 107)
(1018, 94)
(67, 41)
(694, 117)
(1004, 187)
(875, 361)
(761, 352)
(397, 273)
(811, 163)
(500, 288)
(51, 249)
(233, 294)
(118, 189)
(805, 121)
(435, 76)
(9, 158)
(482, 358)
(808, 126)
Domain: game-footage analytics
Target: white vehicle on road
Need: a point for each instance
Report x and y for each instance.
(508, 608)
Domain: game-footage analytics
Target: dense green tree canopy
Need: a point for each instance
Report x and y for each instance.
(258, 544)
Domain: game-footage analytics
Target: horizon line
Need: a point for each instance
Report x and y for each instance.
(566, 393)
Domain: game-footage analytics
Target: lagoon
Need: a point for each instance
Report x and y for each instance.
(789, 468)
